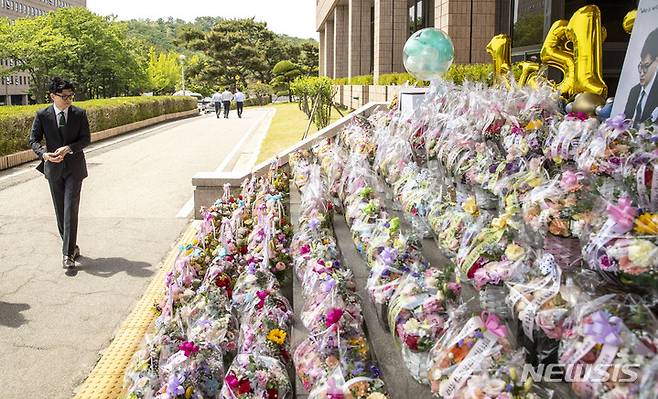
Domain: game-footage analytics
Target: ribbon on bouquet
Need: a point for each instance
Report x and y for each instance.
(647, 200)
(518, 292)
(493, 329)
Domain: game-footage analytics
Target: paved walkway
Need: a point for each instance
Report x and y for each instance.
(134, 205)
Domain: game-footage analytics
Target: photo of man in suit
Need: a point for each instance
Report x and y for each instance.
(643, 97)
(66, 131)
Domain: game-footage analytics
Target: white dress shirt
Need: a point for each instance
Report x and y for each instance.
(216, 97)
(57, 111)
(227, 96)
(239, 96)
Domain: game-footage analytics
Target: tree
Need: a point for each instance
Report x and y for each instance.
(262, 92)
(92, 51)
(284, 73)
(309, 60)
(163, 72)
(239, 50)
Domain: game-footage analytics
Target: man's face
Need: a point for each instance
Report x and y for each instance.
(647, 69)
(63, 100)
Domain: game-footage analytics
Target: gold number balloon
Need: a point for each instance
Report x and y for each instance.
(529, 71)
(629, 21)
(575, 47)
(500, 50)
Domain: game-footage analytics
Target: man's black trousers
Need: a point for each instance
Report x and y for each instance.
(227, 107)
(65, 192)
(239, 106)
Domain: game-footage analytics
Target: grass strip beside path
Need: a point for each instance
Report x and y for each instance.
(286, 129)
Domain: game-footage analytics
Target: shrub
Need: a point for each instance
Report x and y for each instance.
(361, 80)
(16, 121)
(308, 90)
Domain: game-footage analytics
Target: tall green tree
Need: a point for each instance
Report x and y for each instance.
(91, 50)
(30, 42)
(240, 50)
(163, 71)
(284, 73)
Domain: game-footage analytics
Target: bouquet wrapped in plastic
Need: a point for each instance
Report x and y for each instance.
(624, 249)
(607, 345)
(265, 328)
(254, 376)
(463, 351)
(249, 283)
(339, 385)
(342, 342)
(562, 212)
(418, 315)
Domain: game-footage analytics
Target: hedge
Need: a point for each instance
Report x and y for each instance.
(458, 73)
(16, 121)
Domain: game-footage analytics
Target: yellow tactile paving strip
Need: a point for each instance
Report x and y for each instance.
(106, 379)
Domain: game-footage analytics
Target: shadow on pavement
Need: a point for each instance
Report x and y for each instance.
(108, 267)
(10, 314)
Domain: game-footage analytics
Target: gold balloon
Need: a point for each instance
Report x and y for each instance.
(529, 71)
(629, 21)
(587, 103)
(500, 50)
(575, 47)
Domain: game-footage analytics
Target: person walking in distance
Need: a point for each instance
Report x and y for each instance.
(227, 96)
(66, 130)
(217, 102)
(239, 102)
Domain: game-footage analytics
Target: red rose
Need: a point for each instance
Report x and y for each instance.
(272, 394)
(411, 341)
(231, 200)
(244, 387)
(471, 272)
(243, 250)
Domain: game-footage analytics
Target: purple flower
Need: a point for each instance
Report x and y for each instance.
(251, 268)
(388, 255)
(618, 122)
(175, 385)
(328, 285)
(314, 223)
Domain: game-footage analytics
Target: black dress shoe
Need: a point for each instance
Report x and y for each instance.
(76, 252)
(68, 262)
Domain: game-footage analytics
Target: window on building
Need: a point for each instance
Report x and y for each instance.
(421, 14)
(528, 22)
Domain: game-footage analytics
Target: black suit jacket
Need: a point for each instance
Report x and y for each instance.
(75, 134)
(649, 106)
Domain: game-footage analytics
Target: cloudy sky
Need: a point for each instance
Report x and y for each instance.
(292, 17)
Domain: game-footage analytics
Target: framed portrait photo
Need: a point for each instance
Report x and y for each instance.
(637, 93)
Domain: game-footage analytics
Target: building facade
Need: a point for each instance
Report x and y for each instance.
(14, 88)
(363, 37)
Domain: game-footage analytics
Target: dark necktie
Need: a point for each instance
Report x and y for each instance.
(61, 125)
(638, 109)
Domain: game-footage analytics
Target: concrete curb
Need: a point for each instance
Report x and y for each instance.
(11, 160)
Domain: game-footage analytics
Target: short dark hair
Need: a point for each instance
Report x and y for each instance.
(650, 45)
(57, 85)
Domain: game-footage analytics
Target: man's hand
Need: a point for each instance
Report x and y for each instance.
(62, 151)
(53, 157)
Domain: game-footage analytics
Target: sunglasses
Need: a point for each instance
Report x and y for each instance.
(65, 97)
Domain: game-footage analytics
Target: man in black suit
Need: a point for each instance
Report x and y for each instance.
(643, 98)
(66, 130)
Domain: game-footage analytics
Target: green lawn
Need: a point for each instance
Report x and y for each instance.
(287, 128)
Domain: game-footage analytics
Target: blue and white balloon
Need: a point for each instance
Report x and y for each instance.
(428, 54)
